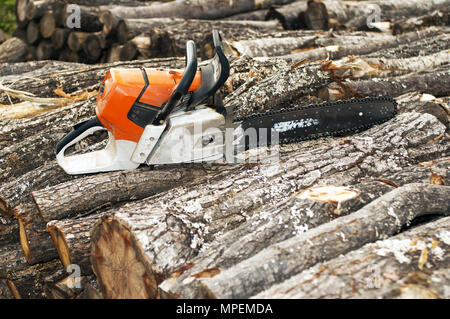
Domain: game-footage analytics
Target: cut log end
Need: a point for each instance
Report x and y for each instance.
(121, 267)
(326, 193)
(47, 25)
(24, 240)
(60, 244)
(106, 18)
(21, 12)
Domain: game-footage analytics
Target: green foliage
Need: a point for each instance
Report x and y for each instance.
(7, 16)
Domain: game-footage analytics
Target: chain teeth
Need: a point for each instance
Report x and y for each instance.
(366, 100)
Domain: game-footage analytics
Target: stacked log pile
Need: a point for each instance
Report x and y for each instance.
(357, 216)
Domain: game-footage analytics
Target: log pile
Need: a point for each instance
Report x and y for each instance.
(357, 216)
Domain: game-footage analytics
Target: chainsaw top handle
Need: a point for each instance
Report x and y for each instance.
(184, 84)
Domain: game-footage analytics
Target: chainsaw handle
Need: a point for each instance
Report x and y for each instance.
(185, 82)
(77, 134)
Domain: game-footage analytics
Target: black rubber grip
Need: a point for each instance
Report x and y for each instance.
(78, 129)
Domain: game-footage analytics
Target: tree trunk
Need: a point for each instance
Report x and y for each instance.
(288, 15)
(433, 83)
(281, 261)
(197, 215)
(376, 267)
(282, 220)
(13, 50)
(365, 46)
(203, 9)
(36, 242)
(29, 283)
(438, 18)
(47, 25)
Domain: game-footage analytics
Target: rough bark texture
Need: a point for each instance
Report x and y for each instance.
(406, 266)
(13, 50)
(288, 15)
(278, 262)
(439, 17)
(190, 221)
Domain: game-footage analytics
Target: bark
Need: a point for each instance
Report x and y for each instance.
(203, 9)
(281, 261)
(130, 28)
(36, 242)
(68, 55)
(9, 231)
(196, 215)
(439, 18)
(432, 82)
(4, 36)
(398, 264)
(29, 283)
(256, 15)
(64, 285)
(88, 193)
(288, 15)
(275, 92)
(46, 51)
(357, 14)
(13, 50)
(20, 11)
(33, 33)
(363, 46)
(12, 260)
(300, 211)
(47, 25)
(5, 292)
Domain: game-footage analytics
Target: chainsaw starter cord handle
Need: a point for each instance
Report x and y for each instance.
(78, 129)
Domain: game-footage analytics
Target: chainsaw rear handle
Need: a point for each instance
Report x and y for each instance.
(184, 84)
(78, 130)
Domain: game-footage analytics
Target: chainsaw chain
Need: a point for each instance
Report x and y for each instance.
(367, 100)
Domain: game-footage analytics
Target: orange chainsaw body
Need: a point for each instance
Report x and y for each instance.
(124, 89)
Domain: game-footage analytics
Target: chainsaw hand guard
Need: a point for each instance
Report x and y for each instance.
(115, 156)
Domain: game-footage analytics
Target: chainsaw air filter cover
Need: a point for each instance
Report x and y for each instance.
(129, 99)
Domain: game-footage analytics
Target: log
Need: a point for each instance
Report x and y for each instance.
(64, 285)
(364, 46)
(288, 15)
(20, 10)
(386, 265)
(196, 215)
(68, 55)
(9, 231)
(46, 51)
(281, 261)
(76, 40)
(12, 260)
(47, 25)
(256, 15)
(357, 14)
(436, 18)
(93, 46)
(88, 193)
(87, 20)
(130, 28)
(59, 37)
(316, 16)
(203, 9)
(302, 211)
(37, 9)
(13, 50)
(29, 283)
(433, 83)
(36, 242)
(33, 33)
(4, 36)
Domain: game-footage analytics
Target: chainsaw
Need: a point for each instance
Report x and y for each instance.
(158, 116)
